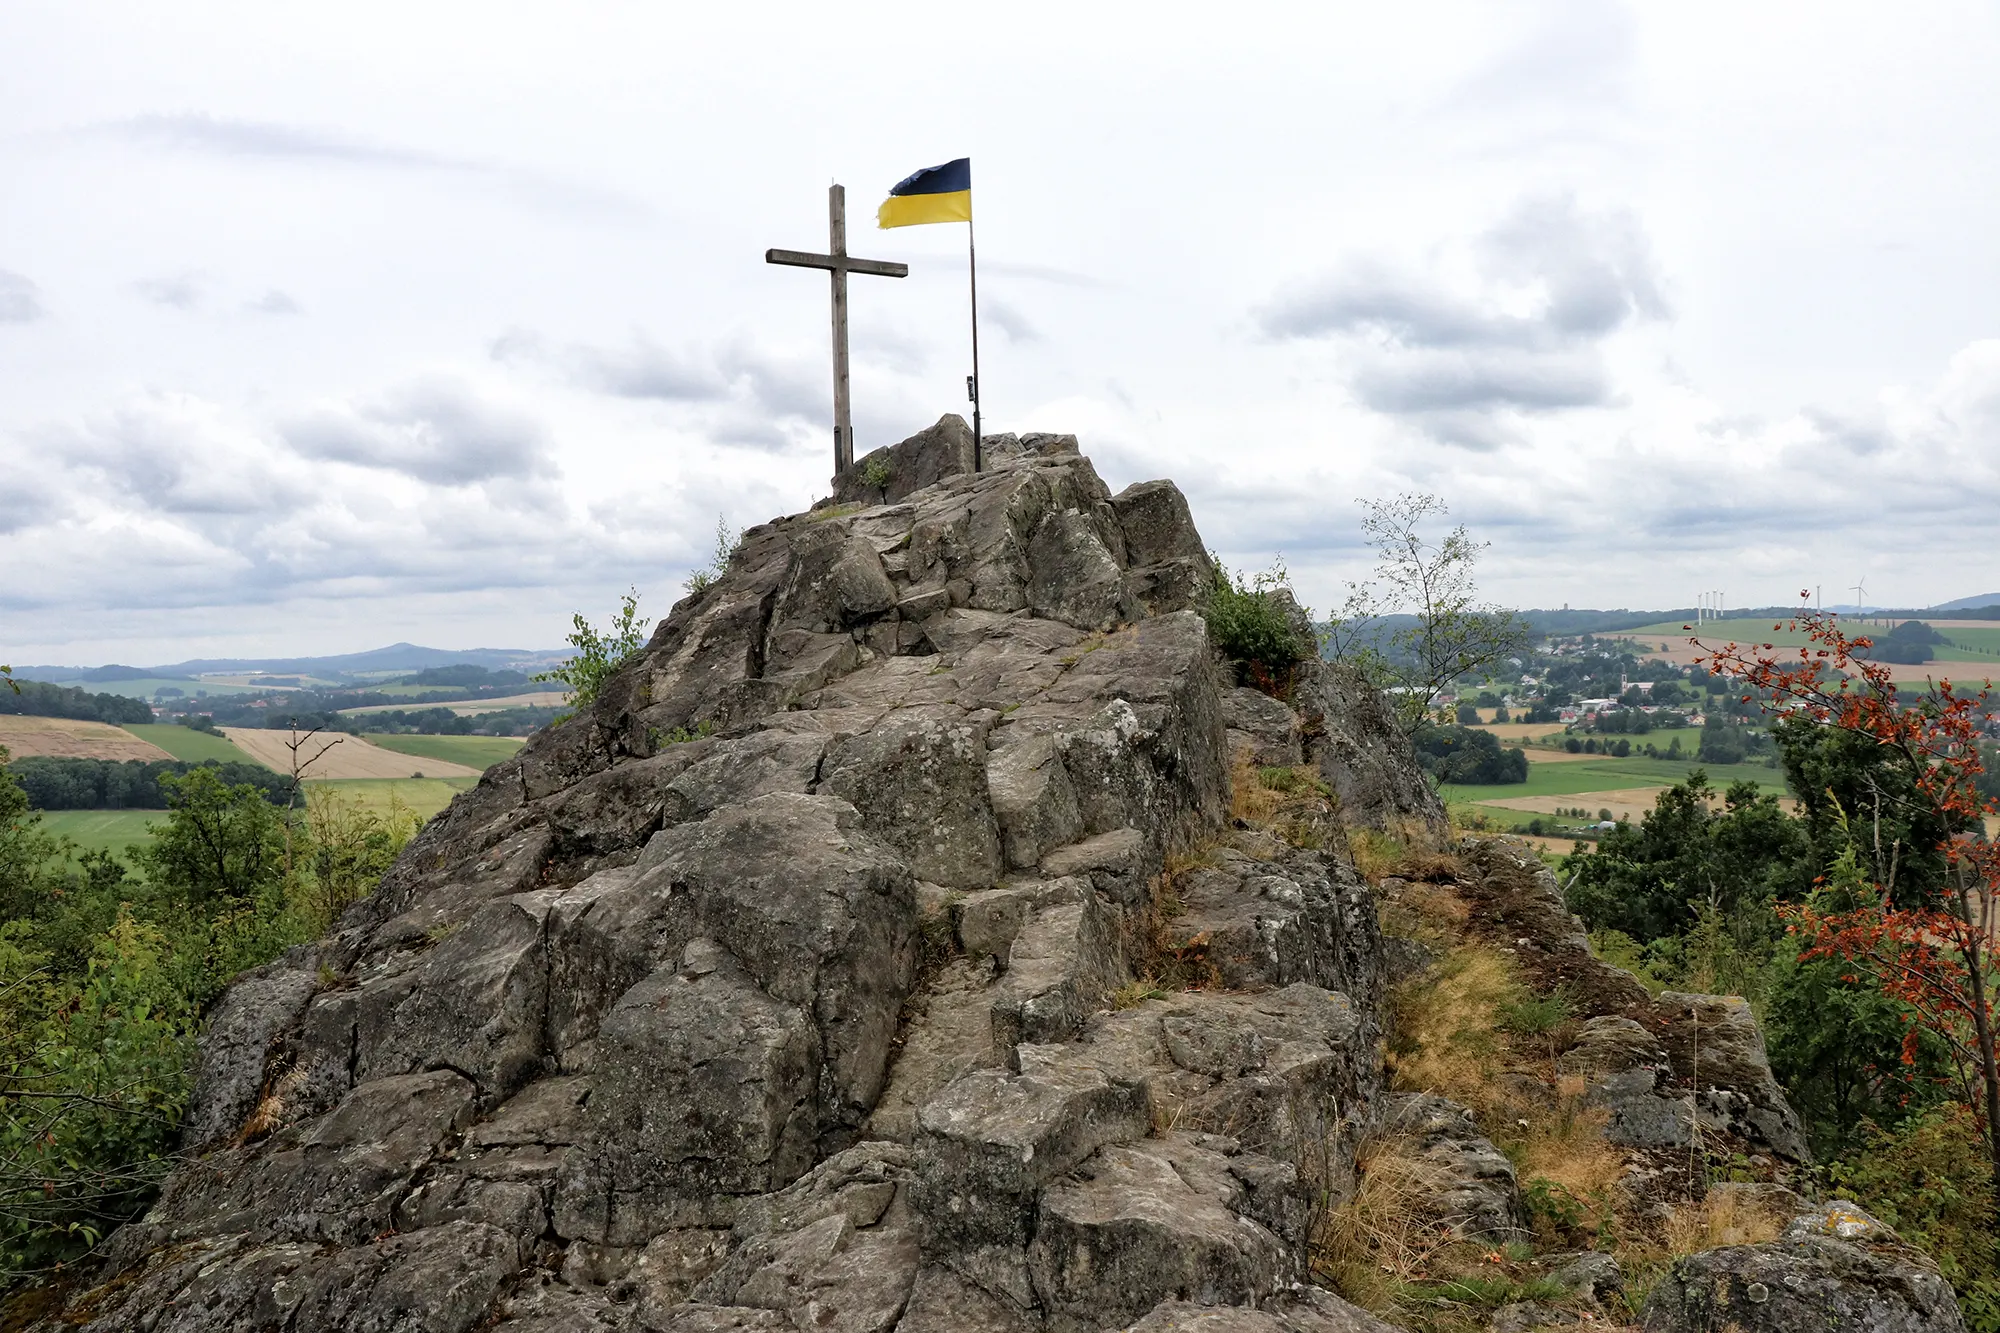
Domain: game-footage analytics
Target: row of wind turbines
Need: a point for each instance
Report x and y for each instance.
(1710, 605)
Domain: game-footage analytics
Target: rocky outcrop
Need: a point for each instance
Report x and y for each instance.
(1474, 1193)
(1350, 736)
(1835, 1267)
(876, 954)
(1669, 1070)
(810, 978)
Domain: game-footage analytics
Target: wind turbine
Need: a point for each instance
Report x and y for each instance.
(1860, 593)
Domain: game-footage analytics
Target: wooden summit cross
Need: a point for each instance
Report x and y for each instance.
(839, 264)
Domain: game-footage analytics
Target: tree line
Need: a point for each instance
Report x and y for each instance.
(35, 698)
(63, 783)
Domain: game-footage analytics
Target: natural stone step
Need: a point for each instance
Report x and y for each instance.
(1168, 1218)
(1475, 1194)
(991, 1140)
(1061, 967)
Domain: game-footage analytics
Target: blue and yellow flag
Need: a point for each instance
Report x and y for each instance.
(935, 194)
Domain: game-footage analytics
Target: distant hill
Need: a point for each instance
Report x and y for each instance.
(396, 657)
(1983, 600)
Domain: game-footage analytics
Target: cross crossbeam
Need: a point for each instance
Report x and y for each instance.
(838, 264)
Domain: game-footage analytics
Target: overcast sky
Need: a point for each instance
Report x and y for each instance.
(326, 327)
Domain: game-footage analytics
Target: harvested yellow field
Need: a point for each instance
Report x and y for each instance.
(1521, 733)
(67, 738)
(340, 756)
(1624, 803)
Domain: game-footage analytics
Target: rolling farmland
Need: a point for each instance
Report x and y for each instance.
(476, 752)
(1971, 650)
(68, 738)
(185, 743)
(342, 757)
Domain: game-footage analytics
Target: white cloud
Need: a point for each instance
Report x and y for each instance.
(20, 301)
(1658, 298)
(180, 291)
(434, 429)
(1511, 320)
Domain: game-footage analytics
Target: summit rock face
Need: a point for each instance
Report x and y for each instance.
(776, 989)
(810, 979)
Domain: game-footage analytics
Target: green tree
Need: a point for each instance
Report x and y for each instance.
(1650, 880)
(25, 851)
(598, 656)
(701, 580)
(220, 847)
(93, 1078)
(1853, 791)
(1449, 632)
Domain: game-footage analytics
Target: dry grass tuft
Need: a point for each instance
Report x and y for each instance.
(1404, 853)
(1376, 854)
(1429, 913)
(1388, 1234)
(1292, 802)
(1724, 1217)
(1451, 1037)
(1165, 959)
(1446, 1026)
(270, 1112)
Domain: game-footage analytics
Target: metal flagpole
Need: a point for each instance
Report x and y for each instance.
(972, 384)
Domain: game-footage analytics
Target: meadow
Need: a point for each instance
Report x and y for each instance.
(1627, 787)
(101, 830)
(423, 796)
(118, 830)
(1603, 774)
(185, 743)
(1964, 642)
(480, 752)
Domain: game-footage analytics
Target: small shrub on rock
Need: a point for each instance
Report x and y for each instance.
(1250, 622)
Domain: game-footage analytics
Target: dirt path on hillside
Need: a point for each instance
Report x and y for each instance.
(351, 757)
(68, 738)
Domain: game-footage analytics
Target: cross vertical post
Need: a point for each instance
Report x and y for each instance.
(836, 244)
(838, 264)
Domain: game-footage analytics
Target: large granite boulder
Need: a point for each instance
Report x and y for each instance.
(1833, 1268)
(1352, 739)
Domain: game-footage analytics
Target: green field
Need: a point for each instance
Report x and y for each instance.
(1587, 775)
(424, 796)
(472, 751)
(116, 830)
(188, 744)
(102, 830)
(1689, 737)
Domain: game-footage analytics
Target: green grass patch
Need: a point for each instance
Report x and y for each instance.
(472, 751)
(1582, 775)
(426, 796)
(190, 745)
(1689, 737)
(102, 830)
